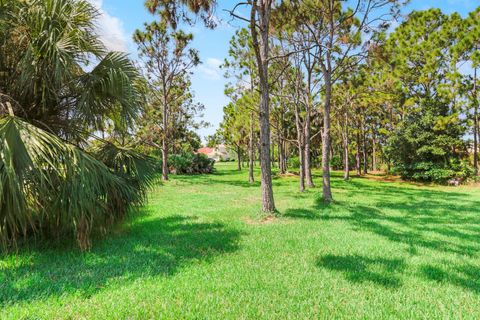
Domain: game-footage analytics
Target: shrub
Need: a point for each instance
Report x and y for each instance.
(293, 162)
(189, 163)
(427, 171)
(336, 162)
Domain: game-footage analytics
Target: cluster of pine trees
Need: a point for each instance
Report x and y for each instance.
(349, 91)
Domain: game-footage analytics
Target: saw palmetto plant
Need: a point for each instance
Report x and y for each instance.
(58, 84)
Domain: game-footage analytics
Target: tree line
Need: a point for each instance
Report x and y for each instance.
(338, 85)
(312, 83)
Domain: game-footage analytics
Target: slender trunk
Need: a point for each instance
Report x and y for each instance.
(475, 123)
(358, 164)
(284, 146)
(327, 192)
(301, 159)
(365, 155)
(251, 151)
(239, 158)
(164, 142)
(346, 174)
(374, 151)
(301, 149)
(281, 156)
(262, 52)
(308, 162)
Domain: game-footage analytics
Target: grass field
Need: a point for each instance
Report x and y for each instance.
(199, 251)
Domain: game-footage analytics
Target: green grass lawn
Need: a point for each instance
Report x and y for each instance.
(198, 251)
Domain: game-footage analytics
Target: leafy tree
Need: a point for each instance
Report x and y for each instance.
(167, 60)
(427, 144)
(241, 67)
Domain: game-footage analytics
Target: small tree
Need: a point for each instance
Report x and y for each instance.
(168, 60)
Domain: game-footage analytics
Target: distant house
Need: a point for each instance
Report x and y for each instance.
(219, 152)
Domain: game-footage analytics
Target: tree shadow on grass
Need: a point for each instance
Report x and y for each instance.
(466, 276)
(360, 269)
(149, 248)
(446, 222)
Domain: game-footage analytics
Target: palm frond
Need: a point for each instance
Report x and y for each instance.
(109, 90)
(140, 170)
(50, 186)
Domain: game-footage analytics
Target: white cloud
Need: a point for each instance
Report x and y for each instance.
(211, 69)
(110, 29)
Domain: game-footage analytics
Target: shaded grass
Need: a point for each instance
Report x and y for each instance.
(381, 250)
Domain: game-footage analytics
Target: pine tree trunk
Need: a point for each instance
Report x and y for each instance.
(301, 149)
(262, 52)
(365, 154)
(346, 173)
(308, 162)
(281, 156)
(251, 179)
(374, 152)
(327, 192)
(164, 141)
(476, 134)
(358, 164)
(164, 159)
(239, 158)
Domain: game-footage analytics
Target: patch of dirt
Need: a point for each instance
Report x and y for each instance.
(287, 174)
(264, 220)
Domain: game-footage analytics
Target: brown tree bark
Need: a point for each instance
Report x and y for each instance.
(374, 151)
(359, 162)
(164, 139)
(308, 162)
(327, 192)
(346, 172)
(239, 158)
(251, 151)
(260, 42)
(301, 148)
(365, 154)
(476, 133)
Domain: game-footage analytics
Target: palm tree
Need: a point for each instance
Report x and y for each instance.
(51, 101)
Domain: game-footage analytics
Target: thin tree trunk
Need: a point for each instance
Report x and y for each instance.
(308, 162)
(262, 52)
(281, 156)
(475, 123)
(251, 179)
(239, 158)
(284, 146)
(346, 173)
(358, 164)
(164, 142)
(327, 192)
(365, 154)
(301, 149)
(374, 151)
(164, 159)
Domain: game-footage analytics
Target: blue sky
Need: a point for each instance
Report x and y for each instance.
(120, 18)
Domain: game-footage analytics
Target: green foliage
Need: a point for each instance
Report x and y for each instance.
(336, 162)
(45, 47)
(294, 162)
(138, 170)
(190, 163)
(51, 188)
(423, 150)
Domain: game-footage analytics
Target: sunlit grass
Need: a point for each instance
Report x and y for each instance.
(382, 250)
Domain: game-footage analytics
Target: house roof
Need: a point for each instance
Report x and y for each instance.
(205, 150)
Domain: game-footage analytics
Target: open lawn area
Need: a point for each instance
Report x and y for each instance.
(199, 250)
